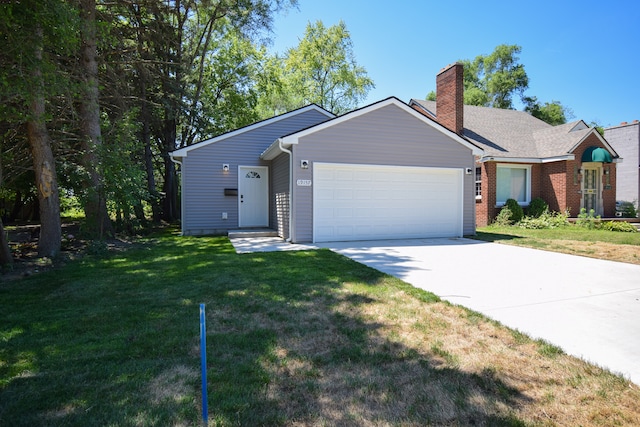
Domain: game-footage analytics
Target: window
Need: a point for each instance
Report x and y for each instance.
(478, 183)
(513, 182)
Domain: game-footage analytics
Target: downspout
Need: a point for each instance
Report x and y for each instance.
(284, 150)
(178, 162)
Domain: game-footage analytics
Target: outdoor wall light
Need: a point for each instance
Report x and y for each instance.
(606, 171)
(304, 164)
(225, 167)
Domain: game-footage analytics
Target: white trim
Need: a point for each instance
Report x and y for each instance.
(182, 152)
(292, 139)
(527, 159)
(527, 184)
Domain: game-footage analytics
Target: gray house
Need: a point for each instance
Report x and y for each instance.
(380, 172)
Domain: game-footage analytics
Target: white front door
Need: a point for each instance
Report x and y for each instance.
(253, 198)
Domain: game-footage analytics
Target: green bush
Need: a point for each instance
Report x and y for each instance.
(545, 220)
(588, 219)
(537, 207)
(516, 210)
(619, 226)
(504, 217)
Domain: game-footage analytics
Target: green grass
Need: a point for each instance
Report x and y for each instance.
(494, 233)
(304, 338)
(99, 341)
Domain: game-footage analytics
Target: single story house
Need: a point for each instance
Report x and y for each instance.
(383, 171)
(625, 138)
(570, 166)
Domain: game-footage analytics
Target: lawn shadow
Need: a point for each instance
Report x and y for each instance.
(493, 237)
(288, 343)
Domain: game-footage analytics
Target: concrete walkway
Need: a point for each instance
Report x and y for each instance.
(588, 307)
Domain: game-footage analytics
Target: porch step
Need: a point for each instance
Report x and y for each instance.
(256, 232)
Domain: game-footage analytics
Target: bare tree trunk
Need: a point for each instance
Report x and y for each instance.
(95, 207)
(145, 115)
(5, 252)
(43, 163)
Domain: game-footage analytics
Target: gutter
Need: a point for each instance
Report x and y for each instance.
(284, 150)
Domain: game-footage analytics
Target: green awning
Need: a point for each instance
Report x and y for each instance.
(596, 154)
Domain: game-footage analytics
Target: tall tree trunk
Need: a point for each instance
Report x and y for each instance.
(5, 252)
(145, 115)
(43, 162)
(170, 188)
(95, 208)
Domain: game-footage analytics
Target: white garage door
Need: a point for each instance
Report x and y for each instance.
(363, 202)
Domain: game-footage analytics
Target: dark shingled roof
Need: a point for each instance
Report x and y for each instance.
(516, 134)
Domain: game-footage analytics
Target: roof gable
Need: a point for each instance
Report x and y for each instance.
(183, 152)
(292, 139)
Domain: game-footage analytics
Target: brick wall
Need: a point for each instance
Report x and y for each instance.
(554, 185)
(450, 97)
(485, 207)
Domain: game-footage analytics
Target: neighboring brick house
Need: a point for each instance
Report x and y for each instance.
(569, 166)
(625, 139)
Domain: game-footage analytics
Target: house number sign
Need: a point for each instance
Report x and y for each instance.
(304, 182)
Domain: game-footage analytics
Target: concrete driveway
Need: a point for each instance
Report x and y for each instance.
(590, 308)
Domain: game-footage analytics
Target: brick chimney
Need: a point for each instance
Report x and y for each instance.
(450, 97)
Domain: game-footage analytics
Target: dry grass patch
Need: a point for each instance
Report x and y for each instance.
(407, 362)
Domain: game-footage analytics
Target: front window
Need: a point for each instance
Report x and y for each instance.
(478, 183)
(513, 182)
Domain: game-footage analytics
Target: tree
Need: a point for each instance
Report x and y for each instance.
(5, 251)
(492, 80)
(552, 112)
(322, 69)
(95, 204)
(34, 34)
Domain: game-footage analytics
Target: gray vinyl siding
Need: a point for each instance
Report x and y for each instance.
(203, 181)
(280, 194)
(387, 136)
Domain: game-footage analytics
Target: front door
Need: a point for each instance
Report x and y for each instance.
(591, 190)
(253, 199)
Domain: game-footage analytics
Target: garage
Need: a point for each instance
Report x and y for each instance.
(365, 202)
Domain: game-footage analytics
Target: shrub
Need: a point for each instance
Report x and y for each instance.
(545, 220)
(588, 220)
(537, 207)
(504, 217)
(619, 226)
(516, 210)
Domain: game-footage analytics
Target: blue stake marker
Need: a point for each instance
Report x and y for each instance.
(203, 364)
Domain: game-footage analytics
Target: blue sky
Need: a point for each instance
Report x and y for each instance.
(584, 54)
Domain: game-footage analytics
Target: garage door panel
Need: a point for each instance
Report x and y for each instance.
(356, 202)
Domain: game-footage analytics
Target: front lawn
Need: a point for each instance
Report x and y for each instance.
(294, 338)
(610, 245)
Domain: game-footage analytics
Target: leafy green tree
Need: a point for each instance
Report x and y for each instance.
(493, 80)
(552, 112)
(323, 70)
(35, 35)
(498, 76)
